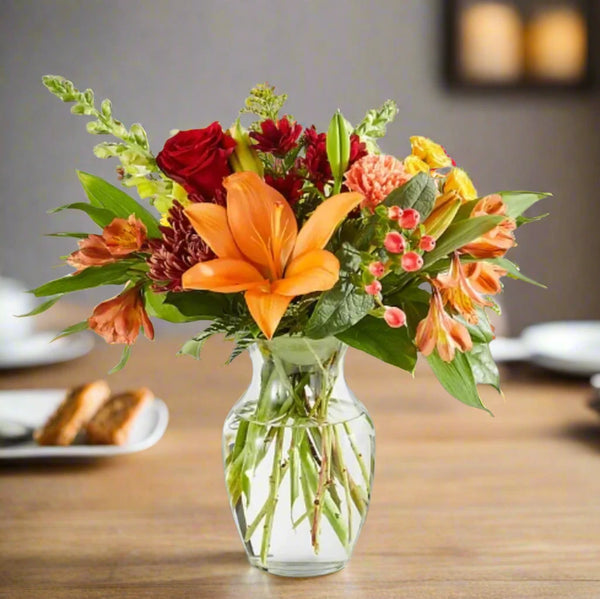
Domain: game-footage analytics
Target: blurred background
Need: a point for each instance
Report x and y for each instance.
(526, 117)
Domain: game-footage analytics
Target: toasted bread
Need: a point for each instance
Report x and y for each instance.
(73, 413)
(112, 423)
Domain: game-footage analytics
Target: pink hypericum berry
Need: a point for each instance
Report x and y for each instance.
(427, 243)
(395, 212)
(411, 261)
(373, 288)
(410, 219)
(394, 317)
(394, 242)
(377, 269)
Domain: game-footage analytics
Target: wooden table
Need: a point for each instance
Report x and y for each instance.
(464, 505)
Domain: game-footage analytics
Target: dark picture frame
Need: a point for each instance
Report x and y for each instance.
(455, 80)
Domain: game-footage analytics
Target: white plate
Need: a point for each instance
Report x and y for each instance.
(32, 407)
(36, 350)
(571, 347)
(509, 349)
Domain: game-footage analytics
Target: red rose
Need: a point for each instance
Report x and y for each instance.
(197, 159)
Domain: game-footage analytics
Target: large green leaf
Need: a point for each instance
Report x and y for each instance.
(198, 305)
(483, 366)
(157, 307)
(418, 193)
(457, 378)
(373, 336)
(101, 216)
(459, 234)
(104, 195)
(338, 309)
(93, 276)
(519, 201)
(513, 271)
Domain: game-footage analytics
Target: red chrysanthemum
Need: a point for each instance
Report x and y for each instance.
(289, 186)
(178, 250)
(277, 138)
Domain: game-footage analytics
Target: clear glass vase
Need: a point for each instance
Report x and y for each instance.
(299, 454)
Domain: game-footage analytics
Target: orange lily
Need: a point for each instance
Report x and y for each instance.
(259, 249)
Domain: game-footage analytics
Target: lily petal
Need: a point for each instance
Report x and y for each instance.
(261, 220)
(317, 270)
(319, 228)
(223, 275)
(267, 309)
(210, 222)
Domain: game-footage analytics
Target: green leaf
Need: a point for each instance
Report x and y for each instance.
(519, 201)
(513, 271)
(101, 216)
(74, 328)
(194, 346)
(481, 332)
(418, 193)
(42, 307)
(104, 195)
(525, 220)
(459, 234)
(375, 123)
(93, 276)
(483, 366)
(457, 378)
(373, 336)
(338, 309)
(198, 305)
(124, 359)
(63, 234)
(158, 307)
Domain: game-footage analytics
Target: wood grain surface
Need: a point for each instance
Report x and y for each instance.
(464, 505)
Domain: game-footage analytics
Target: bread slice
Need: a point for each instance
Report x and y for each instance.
(73, 413)
(112, 423)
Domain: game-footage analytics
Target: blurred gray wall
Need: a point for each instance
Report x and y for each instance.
(183, 63)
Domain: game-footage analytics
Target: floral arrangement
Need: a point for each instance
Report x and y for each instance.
(282, 235)
(282, 230)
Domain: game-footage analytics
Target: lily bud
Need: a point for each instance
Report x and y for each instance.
(244, 158)
(458, 180)
(338, 146)
(444, 211)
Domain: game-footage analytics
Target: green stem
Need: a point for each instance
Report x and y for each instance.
(337, 455)
(359, 457)
(274, 482)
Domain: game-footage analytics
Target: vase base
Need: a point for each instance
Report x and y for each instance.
(297, 569)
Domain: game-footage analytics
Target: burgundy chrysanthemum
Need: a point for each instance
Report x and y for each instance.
(358, 149)
(315, 160)
(289, 186)
(277, 138)
(179, 249)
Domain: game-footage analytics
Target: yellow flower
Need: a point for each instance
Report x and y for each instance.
(414, 165)
(458, 180)
(430, 152)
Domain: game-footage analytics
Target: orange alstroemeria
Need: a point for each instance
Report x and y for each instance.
(119, 238)
(458, 291)
(259, 249)
(118, 320)
(439, 329)
(500, 239)
(484, 276)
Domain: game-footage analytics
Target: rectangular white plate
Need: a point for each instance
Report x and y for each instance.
(32, 407)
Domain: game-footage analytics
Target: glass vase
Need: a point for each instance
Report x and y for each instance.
(299, 455)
